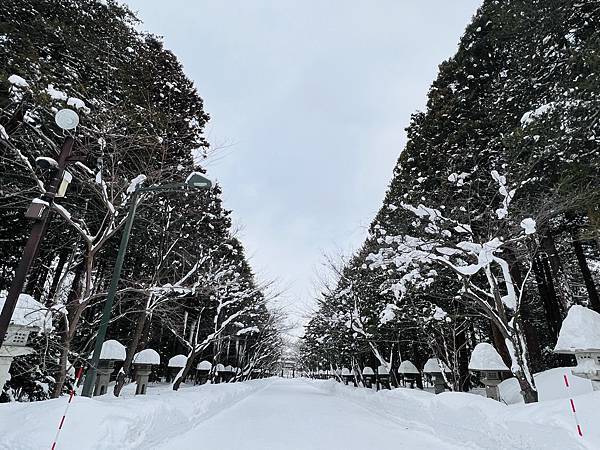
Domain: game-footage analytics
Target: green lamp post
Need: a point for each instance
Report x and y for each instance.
(195, 180)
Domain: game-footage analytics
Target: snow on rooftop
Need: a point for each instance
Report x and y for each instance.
(113, 349)
(368, 371)
(345, 371)
(408, 367)
(382, 370)
(204, 365)
(220, 368)
(579, 331)
(434, 365)
(485, 357)
(147, 356)
(29, 312)
(178, 361)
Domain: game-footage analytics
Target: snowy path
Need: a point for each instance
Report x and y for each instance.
(296, 415)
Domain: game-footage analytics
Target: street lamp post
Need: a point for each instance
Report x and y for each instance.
(195, 180)
(40, 212)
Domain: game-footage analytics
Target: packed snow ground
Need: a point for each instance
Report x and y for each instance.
(299, 414)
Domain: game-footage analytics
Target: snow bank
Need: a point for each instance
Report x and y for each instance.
(475, 422)
(108, 423)
(147, 356)
(579, 331)
(112, 349)
(550, 386)
(29, 312)
(485, 357)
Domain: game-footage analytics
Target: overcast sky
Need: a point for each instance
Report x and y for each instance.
(311, 98)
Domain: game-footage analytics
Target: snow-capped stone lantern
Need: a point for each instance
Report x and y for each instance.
(227, 373)
(368, 377)
(176, 363)
(433, 368)
(488, 363)
(29, 316)
(383, 377)
(143, 362)
(202, 371)
(580, 336)
(409, 372)
(348, 376)
(112, 351)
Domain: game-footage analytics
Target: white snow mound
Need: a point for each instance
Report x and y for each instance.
(204, 365)
(434, 365)
(408, 367)
(147, 356)
(178, 361)
(485, 357)
(112, 349)
(579, 331)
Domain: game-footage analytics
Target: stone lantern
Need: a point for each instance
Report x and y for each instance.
(348, 376)
(228, 373)
(409, 372)
(176, 363)
(383, 377)
(29, 317)
(580, 336)
(488, 363)
(143, 362)
(202, 371)
(112, 351)
(368, 376)
(433, 368)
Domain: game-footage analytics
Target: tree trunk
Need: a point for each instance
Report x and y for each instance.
(62, 259)
(72, 319)
(131, 349)
(562, 288)
(63, 362)
(418, 362)
(553, 316)
(594, 302)
(500, 344)
(186, 370)
(464, 378)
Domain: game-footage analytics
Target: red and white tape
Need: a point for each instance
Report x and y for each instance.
(573, 410)
(62, 420)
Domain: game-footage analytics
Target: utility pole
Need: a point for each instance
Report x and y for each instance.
(33, 243)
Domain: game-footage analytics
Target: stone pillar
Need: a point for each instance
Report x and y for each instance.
(142, 373)
(202, 376)
(438, 383)
(105, 369)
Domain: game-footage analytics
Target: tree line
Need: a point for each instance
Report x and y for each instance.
(489, 230)
(187, 286)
